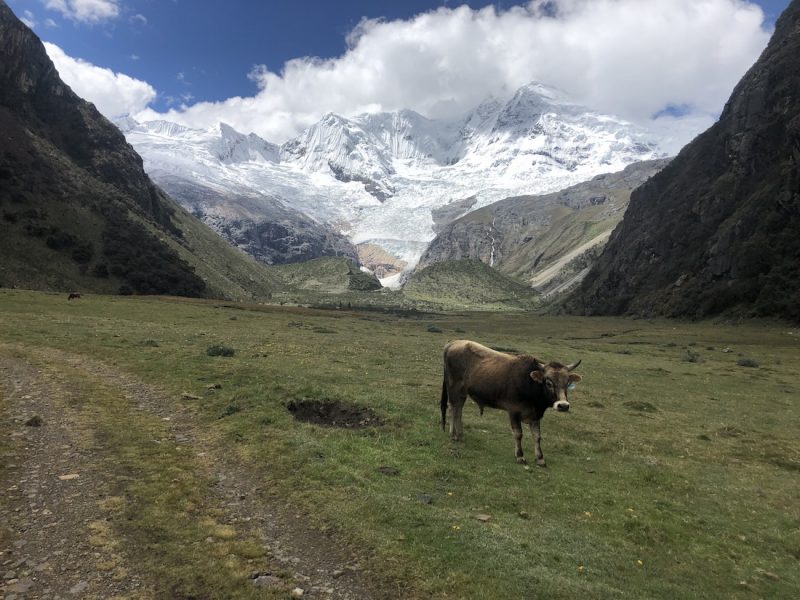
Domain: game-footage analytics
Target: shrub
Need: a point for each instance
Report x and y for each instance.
(692, 357)
(747, 362)
(83, 252)
(147, 265)
(60, 240)
(231, 409)
(434, 329)
(220, 350)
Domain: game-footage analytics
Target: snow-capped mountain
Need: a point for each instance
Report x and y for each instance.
(376, 178)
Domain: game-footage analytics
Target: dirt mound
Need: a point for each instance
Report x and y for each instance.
(334, 413)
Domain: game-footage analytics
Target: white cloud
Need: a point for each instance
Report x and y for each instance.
(50, 23)
(627, 57)
(28, 18)
(114, 94)
(138, 19)
(85, 11)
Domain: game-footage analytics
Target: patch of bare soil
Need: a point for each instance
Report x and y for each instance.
(56, 540)
(334, 413)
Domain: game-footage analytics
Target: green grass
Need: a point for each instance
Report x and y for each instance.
(327, 274)
(668, 479)
(468, 284)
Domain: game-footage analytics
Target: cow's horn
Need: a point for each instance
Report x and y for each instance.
(538, 364)
(573, 366)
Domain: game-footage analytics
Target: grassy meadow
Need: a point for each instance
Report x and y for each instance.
(675, 475)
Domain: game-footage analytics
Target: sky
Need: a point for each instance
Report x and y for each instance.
(275, 67)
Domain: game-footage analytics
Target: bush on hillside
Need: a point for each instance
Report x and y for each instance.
(146, 264)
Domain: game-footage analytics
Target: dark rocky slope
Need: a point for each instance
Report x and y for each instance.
(77, 210)
(718, 230)
(264, 227)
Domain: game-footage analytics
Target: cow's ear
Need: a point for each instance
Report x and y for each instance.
(574, 378)
(537, 376)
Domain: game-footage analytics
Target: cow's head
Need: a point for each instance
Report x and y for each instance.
(556, 380)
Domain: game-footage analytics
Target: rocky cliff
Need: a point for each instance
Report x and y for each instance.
(263, 227)
(34, 97)
(528, 236)
(718, 230)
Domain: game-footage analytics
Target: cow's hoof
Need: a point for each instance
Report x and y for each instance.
(541, 463)
(521, 460)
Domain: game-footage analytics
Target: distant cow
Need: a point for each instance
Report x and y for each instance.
(73, 296)
(521, 385)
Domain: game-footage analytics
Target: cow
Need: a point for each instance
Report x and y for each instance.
(73, 296)
(521, 385)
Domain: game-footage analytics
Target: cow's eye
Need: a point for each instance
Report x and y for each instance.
(549, 383)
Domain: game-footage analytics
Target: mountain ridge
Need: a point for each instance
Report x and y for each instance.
(378, 178)
(533, 238)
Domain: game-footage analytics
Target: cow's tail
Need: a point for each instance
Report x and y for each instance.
(443, 402)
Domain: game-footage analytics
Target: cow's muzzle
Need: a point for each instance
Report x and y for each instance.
(562, 406)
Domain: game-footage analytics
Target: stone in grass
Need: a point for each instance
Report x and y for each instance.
(23, 586)
(78, 588)
(297, 592)
(34, 421)
(483, 518)
(268, 581)
(425, 498)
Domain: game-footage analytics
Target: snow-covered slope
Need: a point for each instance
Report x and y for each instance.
(376, 178)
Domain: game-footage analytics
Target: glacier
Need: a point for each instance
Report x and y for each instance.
(376, 178)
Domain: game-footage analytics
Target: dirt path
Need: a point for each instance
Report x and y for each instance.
(57, 539)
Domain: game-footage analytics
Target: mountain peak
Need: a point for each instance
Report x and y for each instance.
(235, 147)
(379, 176)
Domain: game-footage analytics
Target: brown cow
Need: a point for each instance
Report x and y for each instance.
(521, 385)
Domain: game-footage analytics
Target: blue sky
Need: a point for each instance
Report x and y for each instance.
(191, 59)
(213, 44)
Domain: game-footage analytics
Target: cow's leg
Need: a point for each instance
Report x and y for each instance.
(516, 428)
(537, 442)
(457, 397)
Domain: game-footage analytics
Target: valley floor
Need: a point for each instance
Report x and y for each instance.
(157, 470)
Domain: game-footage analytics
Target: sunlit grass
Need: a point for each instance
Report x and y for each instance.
(669, 478)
